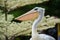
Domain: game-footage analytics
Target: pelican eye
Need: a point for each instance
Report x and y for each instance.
(36, 8)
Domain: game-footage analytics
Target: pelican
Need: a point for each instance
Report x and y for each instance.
(39, 11)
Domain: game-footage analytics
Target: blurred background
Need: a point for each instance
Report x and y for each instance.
(52, 8)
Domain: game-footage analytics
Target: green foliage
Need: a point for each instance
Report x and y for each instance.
(2, 37)
(19, 11)
(12, 4)
(52, 8)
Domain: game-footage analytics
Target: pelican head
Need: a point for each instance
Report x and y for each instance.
(39, 9)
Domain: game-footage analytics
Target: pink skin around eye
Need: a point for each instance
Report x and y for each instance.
(29, 16)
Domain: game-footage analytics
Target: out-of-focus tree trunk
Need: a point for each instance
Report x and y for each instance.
(5, 9)
(59, 29)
